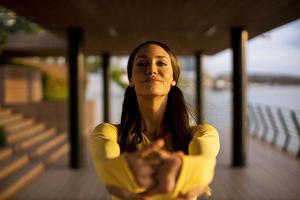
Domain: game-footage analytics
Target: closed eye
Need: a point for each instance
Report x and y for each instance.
(161, 64)
(142, 64)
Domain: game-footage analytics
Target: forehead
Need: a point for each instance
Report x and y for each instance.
(152, 50)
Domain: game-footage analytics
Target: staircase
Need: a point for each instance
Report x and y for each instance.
(31, 148)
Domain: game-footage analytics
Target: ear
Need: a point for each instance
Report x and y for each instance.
(130, 84)
(173, 83)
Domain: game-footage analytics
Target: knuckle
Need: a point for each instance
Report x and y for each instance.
(165, 188)
(176, 160)
(146, 182)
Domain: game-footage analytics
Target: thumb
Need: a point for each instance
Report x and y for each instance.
(149, 148)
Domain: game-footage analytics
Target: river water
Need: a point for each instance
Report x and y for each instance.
(280, 96)
(217, 103)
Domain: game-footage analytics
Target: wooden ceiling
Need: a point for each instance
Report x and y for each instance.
(117, 26)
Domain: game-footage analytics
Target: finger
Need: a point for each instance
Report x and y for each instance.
(144, 177)
(182, 198)
(179, 153)
(193, 193)
(154, 162)
(144, 196)
(140, 169)
(123, 193)
(170, 171)
(156, 158)
(165, 154)
(166, 177)
(148, 149)
(151, 191)
(160, 154)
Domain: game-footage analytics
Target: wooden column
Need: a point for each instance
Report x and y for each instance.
(106, 86)
(238, 44)
(2, 77)
(76, 79)
(199, 88)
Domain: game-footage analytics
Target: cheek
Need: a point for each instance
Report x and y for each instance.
(168, 75)
(138, 72)
(136, 78)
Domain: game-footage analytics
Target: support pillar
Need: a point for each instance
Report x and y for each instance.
(106, 86)
(239, 38)
(76, 79)
(199, 86)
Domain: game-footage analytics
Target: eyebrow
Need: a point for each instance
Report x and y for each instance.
(142, 56)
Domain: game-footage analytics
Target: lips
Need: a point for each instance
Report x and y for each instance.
(151, 80)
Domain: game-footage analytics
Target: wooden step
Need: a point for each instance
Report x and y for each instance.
(13, 166)
(43, 149)
(19, 180)
(20, 135)
(39, 138)
(18, 126)
(10, 119)
(5, 153)
(4, 113)
(57, 154)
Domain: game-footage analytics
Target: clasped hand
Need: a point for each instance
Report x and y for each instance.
(156, 170)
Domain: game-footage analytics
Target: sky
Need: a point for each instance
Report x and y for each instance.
(275, 52)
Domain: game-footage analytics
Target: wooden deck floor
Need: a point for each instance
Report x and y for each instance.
(59, 182)
(270, 174)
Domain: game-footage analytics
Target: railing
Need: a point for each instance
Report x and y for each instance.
(278, 126)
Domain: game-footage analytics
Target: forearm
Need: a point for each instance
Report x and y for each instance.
(196, 171)
(110, 165)
(198, 167)
(115, 172)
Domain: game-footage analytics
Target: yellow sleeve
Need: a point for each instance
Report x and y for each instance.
(110, 166)
(198, 167)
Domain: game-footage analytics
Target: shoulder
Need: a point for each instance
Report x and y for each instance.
(203, 129)
(205, 141)
(106, 130)
(106, 126)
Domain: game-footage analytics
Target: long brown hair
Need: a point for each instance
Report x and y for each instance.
(176, 117)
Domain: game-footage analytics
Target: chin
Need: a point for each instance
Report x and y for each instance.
(154, 93)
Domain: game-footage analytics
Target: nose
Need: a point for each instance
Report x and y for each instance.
(152, 69)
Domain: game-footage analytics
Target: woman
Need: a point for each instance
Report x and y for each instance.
(154, 153)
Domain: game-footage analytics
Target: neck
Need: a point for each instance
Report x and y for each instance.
(152, 112)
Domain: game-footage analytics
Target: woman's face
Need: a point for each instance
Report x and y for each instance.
(152, 73)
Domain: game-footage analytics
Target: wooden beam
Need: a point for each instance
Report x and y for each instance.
(238, 44)
(199, 89)
(106, 86)
(76, 74)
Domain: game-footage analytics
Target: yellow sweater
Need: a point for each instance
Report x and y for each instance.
(197, 167)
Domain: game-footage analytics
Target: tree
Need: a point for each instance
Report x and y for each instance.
(10, 23)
